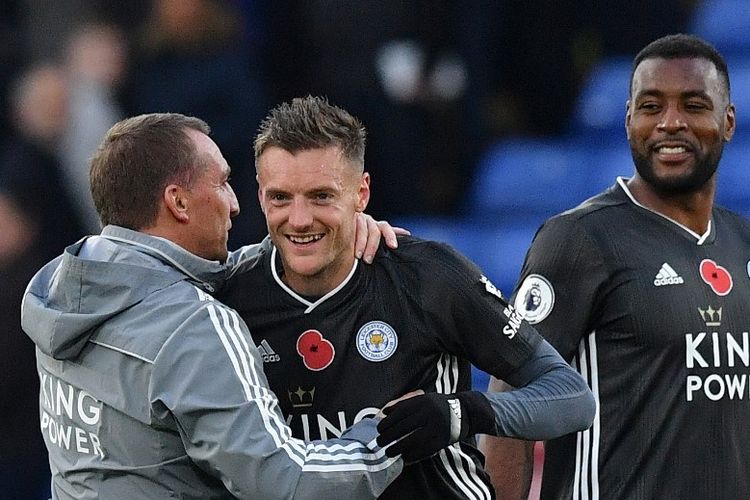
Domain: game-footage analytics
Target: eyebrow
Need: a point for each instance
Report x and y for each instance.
(271, 190)
(685, 95)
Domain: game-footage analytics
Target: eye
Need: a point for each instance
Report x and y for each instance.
(695, 106)
(649, 106)
(323, 196)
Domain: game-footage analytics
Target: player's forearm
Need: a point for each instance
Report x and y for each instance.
(251, 464)
(553, 401)
(365, 476)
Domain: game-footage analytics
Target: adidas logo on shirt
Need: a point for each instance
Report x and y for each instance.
(268, 354)
(667, 276)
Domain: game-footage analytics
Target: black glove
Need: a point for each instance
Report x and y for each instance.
(424, 425)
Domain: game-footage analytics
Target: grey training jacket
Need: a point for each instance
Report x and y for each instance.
(152, 389)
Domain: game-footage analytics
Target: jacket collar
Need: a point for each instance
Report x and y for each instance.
(209, 273)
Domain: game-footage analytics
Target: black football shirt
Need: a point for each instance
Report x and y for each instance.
(414, 319)
(656, 319)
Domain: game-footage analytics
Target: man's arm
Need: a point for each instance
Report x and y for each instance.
(208, 378)
(561, 257)
(508, 461)
(552, 400)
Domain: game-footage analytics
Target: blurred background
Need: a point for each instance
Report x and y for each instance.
(484, 118)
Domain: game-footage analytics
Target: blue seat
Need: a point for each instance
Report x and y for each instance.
(497, 247)
(733, 185)
(725, 23)
(529, 180)
(600, 107)
(500, 249)
(526, 178)
(739, 73)
(479, 379)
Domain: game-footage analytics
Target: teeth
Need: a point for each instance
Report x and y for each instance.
(305, 239)
(672, 150)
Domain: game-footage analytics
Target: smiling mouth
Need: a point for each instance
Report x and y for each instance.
(672, 147)
(304, 240)
(671, 150)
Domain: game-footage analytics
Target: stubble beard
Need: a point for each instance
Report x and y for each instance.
(694, 180)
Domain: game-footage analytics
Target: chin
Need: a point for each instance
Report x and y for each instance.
(673, 180)
(303, 267)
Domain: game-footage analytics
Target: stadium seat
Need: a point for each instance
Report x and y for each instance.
(733, 190)
(479, 379)
(725, 23)
(739, 72)
(528, 180)
(600, 107)
(497, 247)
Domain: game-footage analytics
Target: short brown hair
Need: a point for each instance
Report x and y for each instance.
(137, 159)
(312, 123)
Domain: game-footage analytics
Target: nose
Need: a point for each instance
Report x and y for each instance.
(234, 205)
(299, 215)
(672, 120)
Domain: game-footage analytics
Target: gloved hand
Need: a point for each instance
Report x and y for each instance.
(423, 425)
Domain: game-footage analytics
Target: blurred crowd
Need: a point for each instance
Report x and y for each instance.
(434, 81)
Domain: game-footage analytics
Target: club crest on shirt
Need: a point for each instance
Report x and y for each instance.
(376, 341)
(535, 298)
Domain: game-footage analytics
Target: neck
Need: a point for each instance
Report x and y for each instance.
(320, 283)
(692, 210)
(166, 233)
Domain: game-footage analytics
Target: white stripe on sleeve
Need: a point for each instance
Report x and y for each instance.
(465, 478)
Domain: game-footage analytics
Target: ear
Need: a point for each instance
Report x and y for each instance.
(729, 123)
(176, 201)
(260, 195)
(363, 192)
(627, 118)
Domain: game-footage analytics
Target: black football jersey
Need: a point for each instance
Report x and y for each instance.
(414, 319)
(656, 318)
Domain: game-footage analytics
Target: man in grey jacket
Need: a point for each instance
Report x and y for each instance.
(150, 388)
